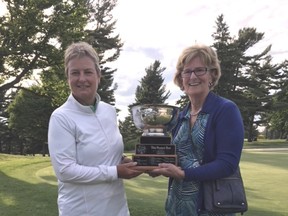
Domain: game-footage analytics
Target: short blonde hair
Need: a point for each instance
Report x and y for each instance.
(81, 49)
(208, 57)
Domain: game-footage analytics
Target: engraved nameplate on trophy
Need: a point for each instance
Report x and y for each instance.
(153, 160)
(156, 121)
(160, 149)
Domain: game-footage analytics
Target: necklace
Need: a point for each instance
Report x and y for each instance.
(196, 113)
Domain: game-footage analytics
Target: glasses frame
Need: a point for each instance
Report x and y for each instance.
(199, 71)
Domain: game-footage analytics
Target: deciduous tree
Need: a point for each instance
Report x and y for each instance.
(33, 37)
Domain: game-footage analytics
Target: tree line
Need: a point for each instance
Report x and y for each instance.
(34, 35)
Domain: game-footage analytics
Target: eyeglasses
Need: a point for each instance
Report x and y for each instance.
(200, 71)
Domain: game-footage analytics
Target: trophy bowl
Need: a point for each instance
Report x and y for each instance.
(155, 119)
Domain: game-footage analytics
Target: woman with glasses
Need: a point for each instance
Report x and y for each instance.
(208, 137)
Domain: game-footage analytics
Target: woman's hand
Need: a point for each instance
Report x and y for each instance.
(168, 170)
(126, 159)
(126, 171)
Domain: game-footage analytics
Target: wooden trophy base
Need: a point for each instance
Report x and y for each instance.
(145, 168)
(148, 162)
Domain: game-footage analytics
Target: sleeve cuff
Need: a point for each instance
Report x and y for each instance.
(112, 170)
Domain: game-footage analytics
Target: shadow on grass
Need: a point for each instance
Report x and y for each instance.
(21, 198)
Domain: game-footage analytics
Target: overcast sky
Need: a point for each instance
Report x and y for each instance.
(160, 29)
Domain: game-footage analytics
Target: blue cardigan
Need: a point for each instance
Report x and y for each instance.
(223, 139)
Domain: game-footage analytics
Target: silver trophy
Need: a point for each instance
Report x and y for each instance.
(156, 121)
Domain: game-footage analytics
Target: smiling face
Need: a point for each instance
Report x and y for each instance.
(83, 79)
(196, 86)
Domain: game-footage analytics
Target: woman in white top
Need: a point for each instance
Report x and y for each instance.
(85, 144)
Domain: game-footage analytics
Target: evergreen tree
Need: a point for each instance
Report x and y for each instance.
(248, 80)
(129, 133)
(28, 120)
(150, 91)
(277, 118)
(108, 45)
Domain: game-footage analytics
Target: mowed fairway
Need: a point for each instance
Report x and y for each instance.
(28, 186)
(265, 175)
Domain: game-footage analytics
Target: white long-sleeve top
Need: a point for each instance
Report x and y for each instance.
(85, 147)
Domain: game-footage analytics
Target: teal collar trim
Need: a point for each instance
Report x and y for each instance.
(94, 107)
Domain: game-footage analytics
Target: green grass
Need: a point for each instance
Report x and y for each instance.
(265, 176)
(146, 195)
(28, 186)
(263, 143)
(23, 192)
